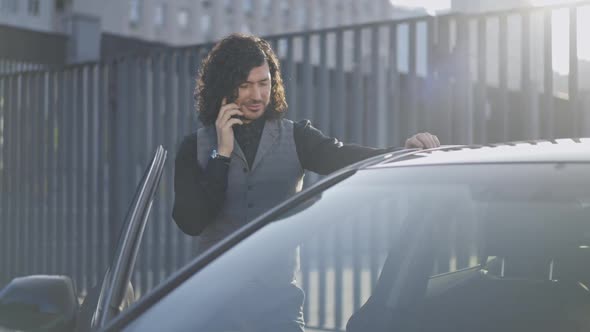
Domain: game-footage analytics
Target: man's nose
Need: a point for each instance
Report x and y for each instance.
(255, 93)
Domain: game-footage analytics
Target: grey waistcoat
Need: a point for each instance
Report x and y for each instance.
(276, 175)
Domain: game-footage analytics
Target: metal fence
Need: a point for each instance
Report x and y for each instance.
(74, 141)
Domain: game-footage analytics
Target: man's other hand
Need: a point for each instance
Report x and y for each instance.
(422, 141)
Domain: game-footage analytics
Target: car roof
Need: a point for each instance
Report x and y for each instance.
(558, 150)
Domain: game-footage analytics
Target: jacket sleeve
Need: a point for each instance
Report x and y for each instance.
(323, 154)
(199, 193)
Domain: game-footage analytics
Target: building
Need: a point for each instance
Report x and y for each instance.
(185, 22)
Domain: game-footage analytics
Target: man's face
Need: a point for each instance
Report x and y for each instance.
(254, 93)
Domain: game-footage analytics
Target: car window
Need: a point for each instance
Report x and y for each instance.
(526, 225)
(298, 245)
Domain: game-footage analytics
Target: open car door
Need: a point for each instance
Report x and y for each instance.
(49, 303)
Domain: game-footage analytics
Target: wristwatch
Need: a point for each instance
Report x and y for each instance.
(216, 155)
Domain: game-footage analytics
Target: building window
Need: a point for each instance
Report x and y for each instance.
(182, 18)
(135, 12)
(62, 5)
(229, 8)
(9, 6)
(284, 8)
(206, 26)
(266, 8)
(317, 16)
(247, 7)
(160, 15)
(300, 18)
(33, 7)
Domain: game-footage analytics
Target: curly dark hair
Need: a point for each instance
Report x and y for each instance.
(227, 66)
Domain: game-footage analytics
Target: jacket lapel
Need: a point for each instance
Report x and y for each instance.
(267, 140)
(237, 152)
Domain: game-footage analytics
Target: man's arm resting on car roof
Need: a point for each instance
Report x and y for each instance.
(323, 154)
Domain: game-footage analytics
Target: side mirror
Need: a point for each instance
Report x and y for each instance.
(40, 303)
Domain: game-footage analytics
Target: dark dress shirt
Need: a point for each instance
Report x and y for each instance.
(199, 193)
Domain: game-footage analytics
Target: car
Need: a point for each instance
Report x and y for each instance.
(458, 238)
(50, 302)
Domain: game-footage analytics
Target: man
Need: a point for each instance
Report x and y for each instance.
(248, 158)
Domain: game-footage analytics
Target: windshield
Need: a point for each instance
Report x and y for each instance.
(441, 235)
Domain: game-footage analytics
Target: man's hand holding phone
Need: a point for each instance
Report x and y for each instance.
(226, 119)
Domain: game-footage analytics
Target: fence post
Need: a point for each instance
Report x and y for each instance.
(113, 171)
(462, 116)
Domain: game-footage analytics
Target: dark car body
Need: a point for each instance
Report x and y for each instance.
(493, 238)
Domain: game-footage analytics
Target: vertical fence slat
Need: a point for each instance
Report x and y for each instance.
(169, 142)
(182, 97)
(356, 116)
(52, 174)
(157, 88)
(394, 119)
(62, 172)
(526, 84)
(431, 76)
(69, 169)
(5, 190)
(503, 107)
(307, 81)
(411, 111)
(137, 147)
(41, 219)
(119, 148)
(481, 96)
(165, 186)
(11, 125)
(548, 123)
(463, 124)
(445, 72)
(324, 96)
(31, 243)
(573, 87)
(37, 228)
(291, 80)
(3, 178)
(24, 182)
(101, 172)
(337, 116)
(13, 106)
(79, 179)
(141, 127)
(150, 255)
(372, 111)
(91, 177)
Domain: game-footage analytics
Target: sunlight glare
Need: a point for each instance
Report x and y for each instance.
(540, 3)
(560, 33)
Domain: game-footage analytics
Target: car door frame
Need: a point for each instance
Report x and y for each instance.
(118, 275)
